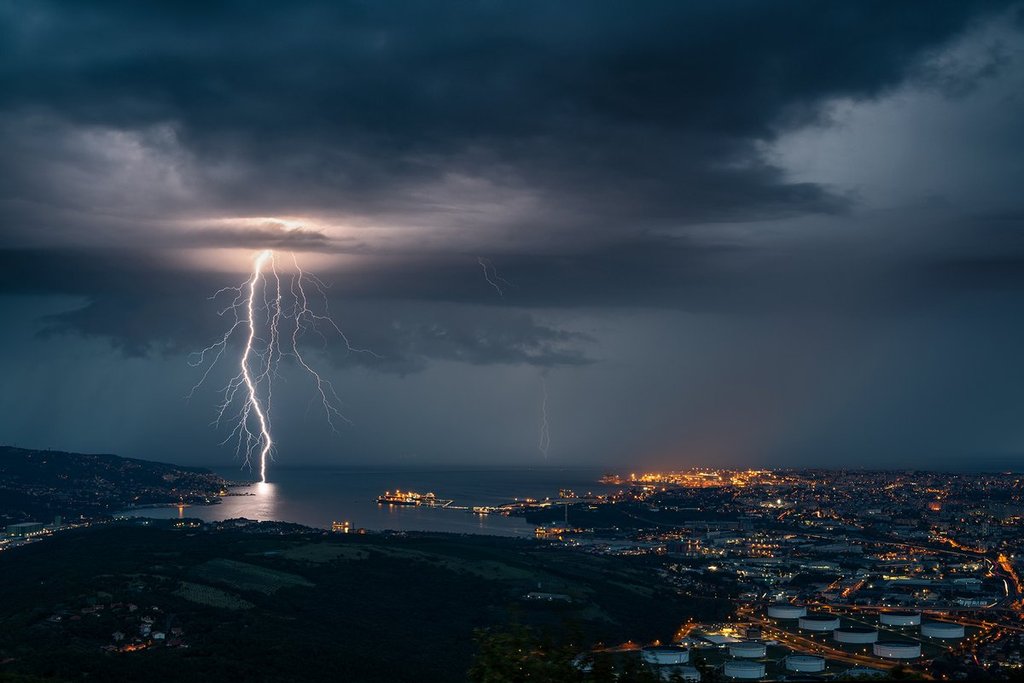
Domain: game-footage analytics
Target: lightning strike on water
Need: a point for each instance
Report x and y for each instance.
(265, 441)
(269, 313)
(545, 436)
(492, 277)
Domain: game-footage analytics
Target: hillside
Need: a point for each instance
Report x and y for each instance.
(36, 485)
(261, 602)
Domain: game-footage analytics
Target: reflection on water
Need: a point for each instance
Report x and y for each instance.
(316, 498)
(263, 505)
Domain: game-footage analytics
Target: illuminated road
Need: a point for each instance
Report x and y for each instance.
(1011, 606)
(994, 621)
(810, 646)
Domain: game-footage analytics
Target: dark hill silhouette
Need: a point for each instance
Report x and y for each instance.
(38, 484)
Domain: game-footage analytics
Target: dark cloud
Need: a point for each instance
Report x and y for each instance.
(609, 120)
(754, 215)
(144, 303)
(993, 272)
(411, 309)
(558, 141)
(402, 338)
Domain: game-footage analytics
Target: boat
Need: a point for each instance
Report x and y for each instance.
(412, 498)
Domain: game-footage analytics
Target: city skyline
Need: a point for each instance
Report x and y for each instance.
(783, 236)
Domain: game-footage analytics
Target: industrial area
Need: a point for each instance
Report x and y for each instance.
(851, 574)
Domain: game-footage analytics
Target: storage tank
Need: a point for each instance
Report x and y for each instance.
(853, 634)
(942, 629)
(901, 618)
(807, 663)
(744, 668)
(897, 649)
(665, 654)
(819, 622)
(748, 649)
(786, 611)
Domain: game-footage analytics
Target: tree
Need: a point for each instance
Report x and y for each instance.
(634, 671)
(603, 670)
(516, 655)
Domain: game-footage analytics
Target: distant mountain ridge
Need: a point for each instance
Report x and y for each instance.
(38, 484)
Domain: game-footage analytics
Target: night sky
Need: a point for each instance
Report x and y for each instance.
(767, 233)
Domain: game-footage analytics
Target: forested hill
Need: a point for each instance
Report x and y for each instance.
(35, 485)
(257, 602)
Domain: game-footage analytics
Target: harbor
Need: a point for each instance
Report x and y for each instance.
(417, 499)
(517, 507)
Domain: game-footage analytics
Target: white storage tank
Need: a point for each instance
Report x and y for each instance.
(942, 629)
(748, 649)
(900, 618)
(819, 622)
(853, 634)
(786, 611)
(897, 649)
(665, 654)
(744, 668)
(806, 663)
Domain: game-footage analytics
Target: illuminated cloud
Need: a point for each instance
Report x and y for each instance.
(764, 211)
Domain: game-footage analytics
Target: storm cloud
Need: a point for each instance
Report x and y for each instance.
(511, 123)
(767, 194)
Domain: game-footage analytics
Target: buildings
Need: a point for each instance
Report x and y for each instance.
(863, 570)
(25, 529)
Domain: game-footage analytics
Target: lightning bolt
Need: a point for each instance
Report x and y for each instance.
(265, 309)
(545, 436)
(497, 281)
(265, 442)
(492, 277)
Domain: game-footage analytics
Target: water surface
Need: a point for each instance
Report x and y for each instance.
(317, 497)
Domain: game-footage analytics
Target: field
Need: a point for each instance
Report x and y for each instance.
(208, 595)
(303, 606)
(247, 577)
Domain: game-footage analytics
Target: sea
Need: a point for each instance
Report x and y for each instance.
(318, 497)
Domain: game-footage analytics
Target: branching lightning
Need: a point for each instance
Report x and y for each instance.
(493, 278)
(499, 284)
(269, 313)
